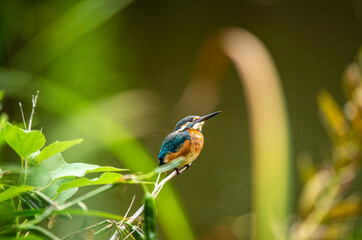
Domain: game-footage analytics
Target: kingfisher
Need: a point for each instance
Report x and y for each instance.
(186, 140)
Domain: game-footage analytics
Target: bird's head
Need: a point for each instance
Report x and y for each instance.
(194, 122)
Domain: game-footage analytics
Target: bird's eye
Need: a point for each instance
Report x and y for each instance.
(190, 120)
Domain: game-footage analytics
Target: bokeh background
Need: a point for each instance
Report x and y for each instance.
(112, 72)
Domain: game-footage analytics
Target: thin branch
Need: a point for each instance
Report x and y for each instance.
(22, 115)
(154, 194)
(121, 223)
(129, 208)
(131, 233)
(97, 224)
(34, 100)
(158, 179)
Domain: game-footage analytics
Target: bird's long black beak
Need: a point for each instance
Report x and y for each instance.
(208, 116)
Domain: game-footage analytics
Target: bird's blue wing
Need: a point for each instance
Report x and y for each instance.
(172, 143)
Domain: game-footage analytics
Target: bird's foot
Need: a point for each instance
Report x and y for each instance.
(186, 167)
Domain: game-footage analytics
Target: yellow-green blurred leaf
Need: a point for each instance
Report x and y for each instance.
(351, 79)
(332, 115)
(312, 190)
(305, 166)
(345, 209)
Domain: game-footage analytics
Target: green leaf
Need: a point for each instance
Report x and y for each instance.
(22, 141)
(80, 170)
(106, 178)
(56, 147)
(150, 217)
(39, 176)
(22, 213)
(32, 200)
(13, 192)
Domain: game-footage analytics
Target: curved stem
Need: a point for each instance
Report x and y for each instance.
(267, 117)
(269, 131)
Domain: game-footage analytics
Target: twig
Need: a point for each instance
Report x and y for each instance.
(129, 208)
(34, 100)
(154, 194)
(121, 223)
(22, 115)
(158, 179)
(106, 228)
(97, 224)
(131, 233)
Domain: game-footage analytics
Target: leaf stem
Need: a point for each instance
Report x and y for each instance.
(26, 170)
(21, 172)
(51, 183)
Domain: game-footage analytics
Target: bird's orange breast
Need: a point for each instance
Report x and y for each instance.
(190, 149)
(197, 143)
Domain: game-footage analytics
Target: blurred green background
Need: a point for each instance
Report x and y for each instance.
(112, 71)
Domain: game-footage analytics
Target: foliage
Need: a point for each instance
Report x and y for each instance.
(46, 185)
(328, 205)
